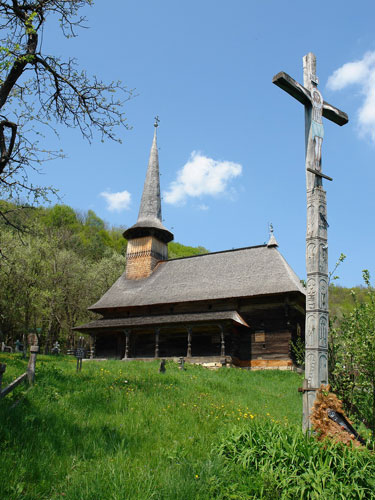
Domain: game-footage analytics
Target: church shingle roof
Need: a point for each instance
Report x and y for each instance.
(244, 272)
(170, 319)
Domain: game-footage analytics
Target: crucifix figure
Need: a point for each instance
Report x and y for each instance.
(316, 332)
(317, 130)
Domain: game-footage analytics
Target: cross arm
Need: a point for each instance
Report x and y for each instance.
(334, 114)
(295, 89)
(299, 92)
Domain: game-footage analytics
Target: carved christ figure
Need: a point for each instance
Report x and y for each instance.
(317, 130)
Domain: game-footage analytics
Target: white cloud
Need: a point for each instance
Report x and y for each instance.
(361, 73)
(116, 202)
(203, 206)
(201, 176)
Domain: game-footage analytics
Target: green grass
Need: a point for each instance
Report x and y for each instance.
(15, 366)
(270, 462)
(121, 431)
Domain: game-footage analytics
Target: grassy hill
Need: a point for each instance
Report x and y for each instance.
(341, 299)
(122, 431)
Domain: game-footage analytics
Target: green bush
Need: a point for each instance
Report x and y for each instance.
(352, 358)
(281, 462)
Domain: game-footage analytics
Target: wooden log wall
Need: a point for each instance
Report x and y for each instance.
(279, 319)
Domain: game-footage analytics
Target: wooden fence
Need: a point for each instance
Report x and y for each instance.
(28, 376)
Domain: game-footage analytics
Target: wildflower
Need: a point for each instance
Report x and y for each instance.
(196, 476)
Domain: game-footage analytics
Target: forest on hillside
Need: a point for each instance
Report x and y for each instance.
(56, 261)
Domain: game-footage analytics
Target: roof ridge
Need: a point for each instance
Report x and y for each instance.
(292, 274)
(214, 253)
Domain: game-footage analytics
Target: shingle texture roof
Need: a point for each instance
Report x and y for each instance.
(245, 272)
(169, 319)
(149, 216)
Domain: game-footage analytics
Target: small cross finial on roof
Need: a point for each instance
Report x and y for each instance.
(272, 241)
(157, 120)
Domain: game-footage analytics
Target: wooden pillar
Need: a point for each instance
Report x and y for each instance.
(316, 338)
(127, 338)
(235, 344)
(157, 333)
(188, 352)
(3, 367)
(222, 341)
(92, 350)
(34, 349)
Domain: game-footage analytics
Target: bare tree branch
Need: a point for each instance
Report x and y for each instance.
(37, 88)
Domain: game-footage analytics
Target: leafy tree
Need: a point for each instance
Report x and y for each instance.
(60, 216)
(63, 264)
(39, 90)
(176, 250)
(342, 300)
(46, 286)
(352, 357)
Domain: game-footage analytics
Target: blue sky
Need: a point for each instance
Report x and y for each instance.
(231, 144)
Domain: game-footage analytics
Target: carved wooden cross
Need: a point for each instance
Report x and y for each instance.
(316, 331)
(303, 95)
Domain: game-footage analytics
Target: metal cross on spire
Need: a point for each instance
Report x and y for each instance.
(316, 331)
(157, 121)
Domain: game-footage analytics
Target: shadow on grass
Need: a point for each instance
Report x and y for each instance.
(45, 435)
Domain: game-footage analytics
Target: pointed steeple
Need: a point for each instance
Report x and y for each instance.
(149, 221)
(272, 241)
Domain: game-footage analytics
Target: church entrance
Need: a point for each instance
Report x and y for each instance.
(110, 346)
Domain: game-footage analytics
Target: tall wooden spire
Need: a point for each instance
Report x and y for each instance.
(148, 238)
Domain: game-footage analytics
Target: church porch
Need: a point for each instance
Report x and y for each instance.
(195, 337)
(192, 342)
(205, 338)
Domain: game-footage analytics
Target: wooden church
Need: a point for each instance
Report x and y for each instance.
(241, 307)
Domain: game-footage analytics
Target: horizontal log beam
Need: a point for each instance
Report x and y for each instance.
(299, 92)
(293, 88)
(13, 385)
(334, 114)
